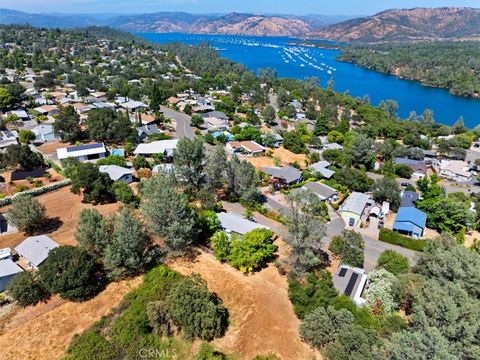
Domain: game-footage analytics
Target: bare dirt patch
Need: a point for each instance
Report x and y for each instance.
(262, 317)
(65, 206)
(286, 157)
(43, 332)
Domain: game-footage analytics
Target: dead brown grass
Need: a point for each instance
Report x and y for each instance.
(64, 205)
(286, 157)
(44, 331)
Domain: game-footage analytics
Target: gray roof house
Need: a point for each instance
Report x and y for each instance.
(321, 168)
(409, 198)
(324, 192)
(8, 138)
(145, 131)
(8, 269)
(117, 173)
(350, 281)
(352, 209)
(233, 223)
(290, 174)
(35, 249)
(44, 133)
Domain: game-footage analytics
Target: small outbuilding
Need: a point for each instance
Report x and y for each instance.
(35, 249)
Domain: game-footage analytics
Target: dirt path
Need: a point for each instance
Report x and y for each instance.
(262, 320)
(44, 331)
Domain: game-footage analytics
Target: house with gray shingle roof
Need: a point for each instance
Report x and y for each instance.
(35, 249)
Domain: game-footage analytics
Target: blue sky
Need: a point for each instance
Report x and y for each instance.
(324, 7)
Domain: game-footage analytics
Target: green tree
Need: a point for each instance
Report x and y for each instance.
(25, 136)
(112, 160)
(242, 180)
(26, 289)
(216, 168)
(197, 120)
(198, 313)
(126, 254)
(110, 126)
(70, 272)
(21, 156)
(189, 158)
(125, 194)
(349, 247)
(353, 342)
(393, 262)
(354, 179)
(293, 141)
(268, 114)
(6, 99)
(169, 214)
(252, 251)
(306, 232)
(67, 125)
(87, 179)
(361, 150)
(139, 162)
(221, 245)
(93, 232)
(380, 292)
(387, 189)
(322, 324)
(28, 214)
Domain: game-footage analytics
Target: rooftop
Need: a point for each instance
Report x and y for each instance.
(356, 203)
(237, 224)
(8, 268)
(114, 171)
(157, 147)
(411, 215)
(81, 150)
(35, 249)
(289, 173)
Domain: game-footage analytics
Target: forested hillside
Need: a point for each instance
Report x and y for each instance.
(454, 66)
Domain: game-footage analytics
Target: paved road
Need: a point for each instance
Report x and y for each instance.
(183, 121)
(448, 186)
(373, 247)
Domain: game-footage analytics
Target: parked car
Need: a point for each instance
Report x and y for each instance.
(381, 224)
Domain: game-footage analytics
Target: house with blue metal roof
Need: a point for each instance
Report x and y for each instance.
(410, 221)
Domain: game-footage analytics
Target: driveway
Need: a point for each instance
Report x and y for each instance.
(183, 121)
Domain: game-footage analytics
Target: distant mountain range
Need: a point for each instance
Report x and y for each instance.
(419, 24)
(234, 23)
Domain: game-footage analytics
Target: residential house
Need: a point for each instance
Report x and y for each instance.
(248, 147)
(85, 152)
(21, 114)
(134, 106)
(35, 249)
(418, 166)
(455, 170)
(287, 175)
(354, 207)
(165, 147)
(8, 138)
(332, 146)
(215, 120)
(350, 281)
(145, 131)
(408, 198)
(117, 173)
(324, 192)
(81, 108)
(410, 221)
(321, 168)
(48, 110)
(236, 224)
(44, 133)
(8, 269)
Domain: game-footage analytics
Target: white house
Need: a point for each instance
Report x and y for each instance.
(353, 208)
(44, 133)
(455, 170)
(133, 106)
(8, 138)
(8, 269)
(85, 152)
(35, 249)
(233, 223)
(117, 173)
(249, 147)
(156, 147)
(350, 281)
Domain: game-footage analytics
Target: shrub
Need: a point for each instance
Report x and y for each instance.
(91, 345)
(26, 289)
(27, 214)
(70, 272)
(253, 251)
(112, 160)
(392, 237)
(393, 262)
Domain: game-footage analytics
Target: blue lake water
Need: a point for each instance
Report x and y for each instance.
(294, 61)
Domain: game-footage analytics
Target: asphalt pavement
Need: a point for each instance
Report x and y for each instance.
(183, 121)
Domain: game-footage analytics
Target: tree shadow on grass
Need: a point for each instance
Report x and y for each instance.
(51, 224)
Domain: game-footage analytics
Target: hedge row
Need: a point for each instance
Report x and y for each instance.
(36, 191)
(394, 238)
